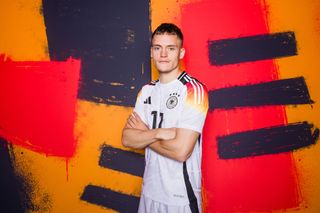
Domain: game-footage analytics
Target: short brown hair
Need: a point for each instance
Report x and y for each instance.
(168, 28)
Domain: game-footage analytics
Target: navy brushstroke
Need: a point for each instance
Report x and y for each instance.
(269, 140)
(14, 192)
(291, 91)
(252, 48)
(110, 199)
(121, 160)
(112, 39)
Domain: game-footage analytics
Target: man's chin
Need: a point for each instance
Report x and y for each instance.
(163, 71)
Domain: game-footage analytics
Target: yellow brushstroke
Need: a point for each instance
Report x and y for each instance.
(116, 84)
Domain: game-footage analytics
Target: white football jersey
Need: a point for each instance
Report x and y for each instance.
(182, 103)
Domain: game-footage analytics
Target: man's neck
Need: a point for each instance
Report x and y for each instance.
(170, 76)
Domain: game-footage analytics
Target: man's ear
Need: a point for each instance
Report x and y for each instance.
(182, 52)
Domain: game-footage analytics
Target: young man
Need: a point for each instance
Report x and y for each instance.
(167, 122)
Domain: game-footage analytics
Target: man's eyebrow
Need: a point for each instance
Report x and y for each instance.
(170, 45)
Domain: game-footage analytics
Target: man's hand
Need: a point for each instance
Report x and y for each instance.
(135, 122)
(166, 133)
(136, 133)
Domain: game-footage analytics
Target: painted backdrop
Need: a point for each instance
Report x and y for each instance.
(70, 72)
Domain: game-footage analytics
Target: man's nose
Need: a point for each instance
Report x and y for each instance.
(163, 53)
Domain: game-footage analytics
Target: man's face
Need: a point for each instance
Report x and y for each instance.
(166, 51)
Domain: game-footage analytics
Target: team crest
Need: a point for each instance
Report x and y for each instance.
(172, 101)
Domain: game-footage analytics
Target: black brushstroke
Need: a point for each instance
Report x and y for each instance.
(291, 91)
(121, 160)
(14, 193)
(110, 199)
(112, 39)
(252, 48)
(269, 140)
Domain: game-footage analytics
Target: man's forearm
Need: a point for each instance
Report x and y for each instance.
(169, 149)
(179, 148)
(138, 139)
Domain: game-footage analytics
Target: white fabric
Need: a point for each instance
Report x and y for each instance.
(182, 103)
(148, 205)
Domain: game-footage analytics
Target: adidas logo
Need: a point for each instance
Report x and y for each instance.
(148, 100)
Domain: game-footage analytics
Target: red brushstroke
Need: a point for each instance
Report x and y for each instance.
(263, 183)
(38, 100)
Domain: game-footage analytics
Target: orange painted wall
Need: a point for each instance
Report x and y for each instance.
(57, 183)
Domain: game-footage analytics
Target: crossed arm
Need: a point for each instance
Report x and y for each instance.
(174, 143)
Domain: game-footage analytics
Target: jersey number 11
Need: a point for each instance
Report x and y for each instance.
(155, 116)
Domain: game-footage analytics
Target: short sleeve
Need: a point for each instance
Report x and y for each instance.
(195, 107)
(139, 106)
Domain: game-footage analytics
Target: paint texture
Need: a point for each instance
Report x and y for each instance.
(265, 141)
(292, 91)
(239, 185)
(110, 199)
(121, 160)
(303, 19)
(104, 34)
(38, 105)
(61, 120)
(23, 36)
(252, 48)
(14, 196)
